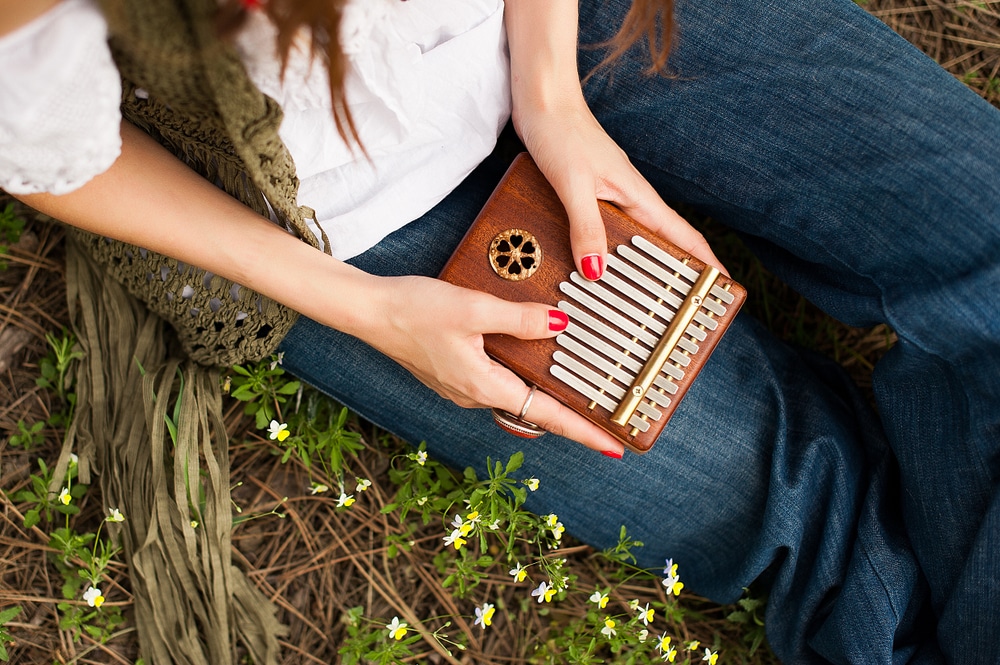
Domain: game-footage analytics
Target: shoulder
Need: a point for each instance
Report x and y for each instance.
(59, 99)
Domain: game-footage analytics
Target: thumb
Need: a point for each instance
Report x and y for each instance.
(587, 236)
(527, 320)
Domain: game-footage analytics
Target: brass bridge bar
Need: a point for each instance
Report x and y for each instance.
(682, 319)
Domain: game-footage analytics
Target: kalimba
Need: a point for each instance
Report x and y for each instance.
(637, 337)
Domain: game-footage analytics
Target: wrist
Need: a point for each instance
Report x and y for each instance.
(542, 38)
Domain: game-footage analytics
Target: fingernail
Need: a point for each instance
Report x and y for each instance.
(613, 454)
(593, 266)
(558, 320)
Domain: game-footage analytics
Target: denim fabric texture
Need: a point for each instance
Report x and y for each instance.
(868, 179)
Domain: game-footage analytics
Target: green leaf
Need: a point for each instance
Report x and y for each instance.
(9, 614)
(515, 462)
(242, 393)
(31, 518)
(289, 388)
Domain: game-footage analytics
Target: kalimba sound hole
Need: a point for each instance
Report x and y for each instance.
(515, 254)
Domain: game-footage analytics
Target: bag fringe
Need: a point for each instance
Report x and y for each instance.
(192, 605)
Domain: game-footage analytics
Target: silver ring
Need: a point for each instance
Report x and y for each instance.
(527, 402)
(517, 425)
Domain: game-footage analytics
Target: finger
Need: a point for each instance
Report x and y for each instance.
(554, 417)
(587, 236)
(543, 410)
(643, 204)
(522, 320)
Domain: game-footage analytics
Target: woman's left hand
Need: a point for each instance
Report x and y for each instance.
(584, 164)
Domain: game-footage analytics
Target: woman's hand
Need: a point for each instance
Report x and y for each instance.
(435, 330)
(582, 163)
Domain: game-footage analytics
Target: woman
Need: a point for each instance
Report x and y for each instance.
(855, 167)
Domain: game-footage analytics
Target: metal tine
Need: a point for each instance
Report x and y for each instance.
(593, 394)
(588, 337)
(616, 264)
(600, 290)
(660, 272)
(594, 326)
(629, 257)
(618, 369)
(633, 314)
(601, 378)
(687, 271)
(588, 374)
(629, 326)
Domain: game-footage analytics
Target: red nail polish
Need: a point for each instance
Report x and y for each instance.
(613, 454)
(558, 320)
(593, 266)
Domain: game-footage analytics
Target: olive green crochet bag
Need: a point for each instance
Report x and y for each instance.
(189, 90)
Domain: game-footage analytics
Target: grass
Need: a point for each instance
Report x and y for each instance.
(319, 563)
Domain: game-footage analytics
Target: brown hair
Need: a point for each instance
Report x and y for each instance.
(652, 19)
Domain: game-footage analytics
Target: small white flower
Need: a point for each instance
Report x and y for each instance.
(551, 520)
(544, 592)
(646, 614)
(643, 635)
(599, 599)
(518, 573)
(711, 656)
(345, 500)
(494, 525)
(609, 627)
(94, 597)
(422, 500)
(558, 530)
(277, 431)
(74, 459)
(421, 457)
(484, 615)
(65, 497)
(363, 484)
(278, 359)
(115, 515)
(396, 628)
(531, 484)
(318, 488)
(456, 539)
(673, 585)
(663, 646)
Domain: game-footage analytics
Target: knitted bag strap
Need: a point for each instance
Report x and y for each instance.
(189, 90)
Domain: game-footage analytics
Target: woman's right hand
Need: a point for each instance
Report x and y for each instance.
(435, 330)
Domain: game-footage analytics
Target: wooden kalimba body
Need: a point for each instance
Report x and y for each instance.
(637, 337)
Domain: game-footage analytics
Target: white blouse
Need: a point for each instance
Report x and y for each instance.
(427, 87)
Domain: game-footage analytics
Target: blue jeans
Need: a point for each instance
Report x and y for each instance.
(868, 179)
